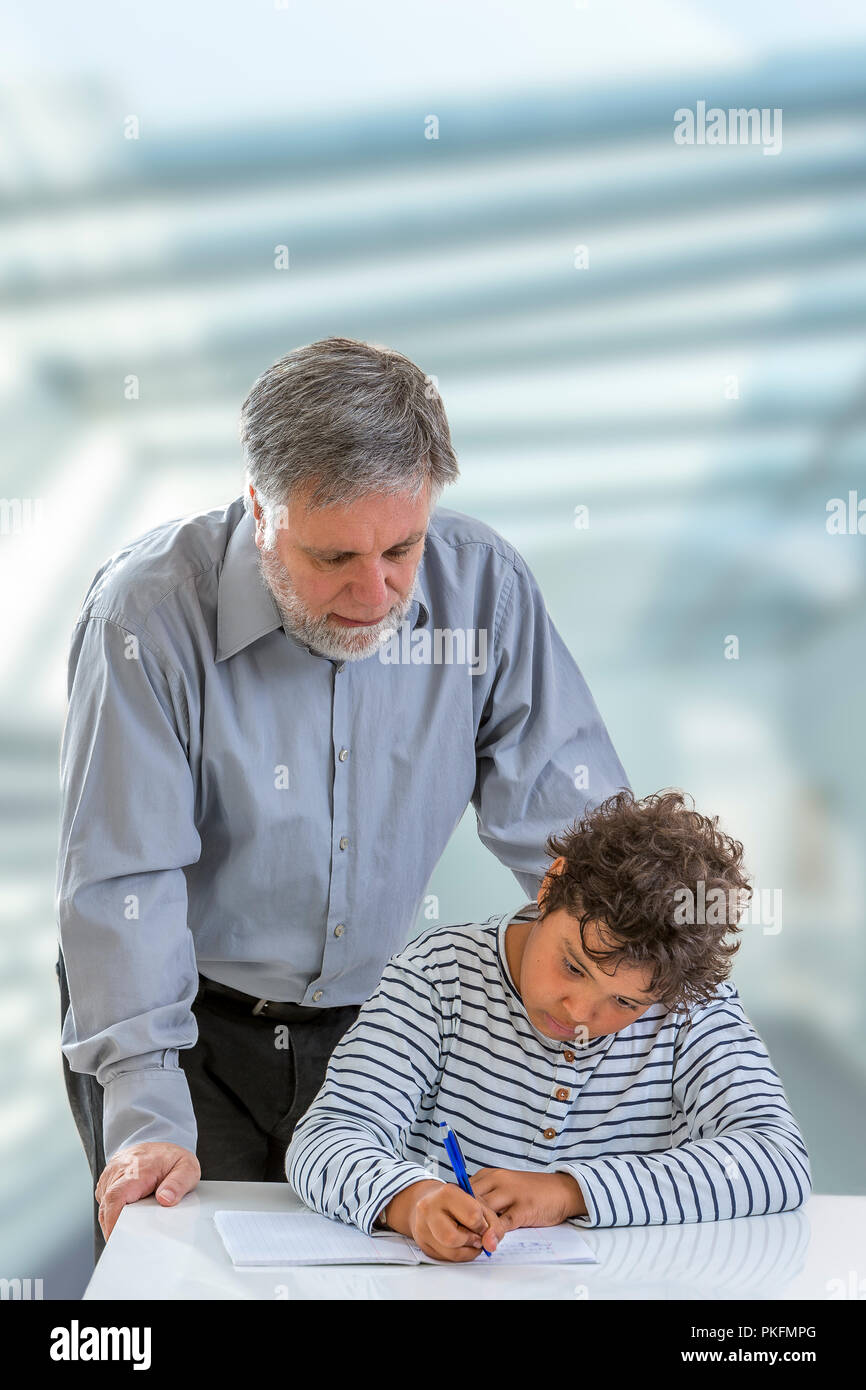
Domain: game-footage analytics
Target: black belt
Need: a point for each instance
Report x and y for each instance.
(261, 1008)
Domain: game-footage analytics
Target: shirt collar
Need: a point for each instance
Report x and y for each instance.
(246, 609)
(528, 912)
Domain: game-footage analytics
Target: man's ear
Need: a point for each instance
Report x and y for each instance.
(258, 518)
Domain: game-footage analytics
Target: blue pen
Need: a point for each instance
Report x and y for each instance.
(455, 1158)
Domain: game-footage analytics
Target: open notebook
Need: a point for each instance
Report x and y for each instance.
(256, 1238)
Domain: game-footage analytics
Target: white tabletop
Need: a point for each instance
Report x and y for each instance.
(175, 1253)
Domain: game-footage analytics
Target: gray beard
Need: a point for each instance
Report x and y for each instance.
(345, 644)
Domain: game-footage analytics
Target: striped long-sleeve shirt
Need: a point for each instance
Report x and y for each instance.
(675, 1118)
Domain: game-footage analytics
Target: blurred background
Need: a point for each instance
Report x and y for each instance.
(670, 336)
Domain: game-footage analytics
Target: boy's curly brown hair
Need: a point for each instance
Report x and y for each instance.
(624, 864)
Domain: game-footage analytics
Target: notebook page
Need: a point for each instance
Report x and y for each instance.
(534, 1245)
(304, 1238)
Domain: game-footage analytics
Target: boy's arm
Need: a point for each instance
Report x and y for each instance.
(744, 1156)
(343, 1159)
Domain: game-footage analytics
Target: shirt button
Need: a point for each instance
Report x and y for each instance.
(339, 928)
(548, 1133)
(344, 840)
(317, 996)
(562, 1093)
(569, 1056)
(344, 753)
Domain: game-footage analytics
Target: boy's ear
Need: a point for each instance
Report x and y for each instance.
(555, 868)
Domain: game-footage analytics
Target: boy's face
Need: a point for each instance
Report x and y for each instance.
(563, 991)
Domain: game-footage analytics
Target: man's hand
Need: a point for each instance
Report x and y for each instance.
(529, 1199)
(139, 1170)
(444, 1221)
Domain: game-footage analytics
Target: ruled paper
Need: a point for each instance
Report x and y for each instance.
(304, 1238)
(262, 1238)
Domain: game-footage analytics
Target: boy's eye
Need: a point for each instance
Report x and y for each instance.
(576, 970)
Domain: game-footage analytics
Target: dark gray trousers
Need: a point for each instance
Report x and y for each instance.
(247, 1093)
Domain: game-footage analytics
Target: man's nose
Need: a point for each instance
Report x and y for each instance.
(369, 589)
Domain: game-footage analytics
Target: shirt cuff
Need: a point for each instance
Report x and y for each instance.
(583, 1177)
(151, 1105)
(384, 1188)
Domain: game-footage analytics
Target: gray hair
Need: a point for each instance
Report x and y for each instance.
(344, 419)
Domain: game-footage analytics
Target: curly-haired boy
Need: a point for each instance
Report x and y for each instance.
(589, 1051)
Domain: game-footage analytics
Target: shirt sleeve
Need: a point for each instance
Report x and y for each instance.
(344, 1159)
(127, 829)
(744, 1155)
(542, 750)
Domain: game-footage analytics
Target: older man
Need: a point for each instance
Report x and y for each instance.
(278, 713)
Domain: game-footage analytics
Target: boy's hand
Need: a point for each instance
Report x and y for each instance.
(444, 1220)
(529, 1199)
(450, 1225)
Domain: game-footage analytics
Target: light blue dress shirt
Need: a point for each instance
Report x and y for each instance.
(237, 805)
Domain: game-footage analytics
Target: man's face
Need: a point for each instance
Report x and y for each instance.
(344, 577)
(560, 985)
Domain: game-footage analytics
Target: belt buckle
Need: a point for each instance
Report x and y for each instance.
(261, 1006)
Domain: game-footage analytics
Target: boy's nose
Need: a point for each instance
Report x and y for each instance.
(580, 1017)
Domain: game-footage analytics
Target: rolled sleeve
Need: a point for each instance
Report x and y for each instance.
(127, 831)
(148, 1105)
(542, 750)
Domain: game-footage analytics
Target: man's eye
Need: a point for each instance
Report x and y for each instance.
(338, 559)
(575, 969)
